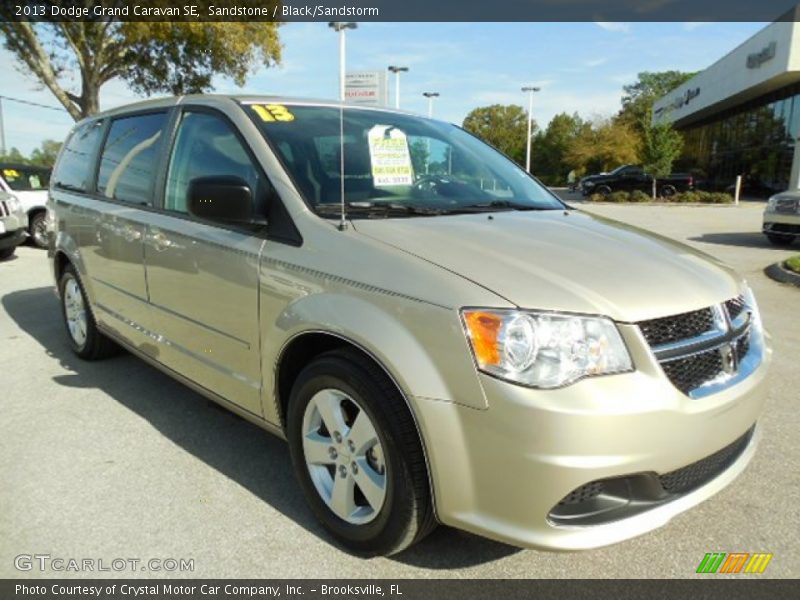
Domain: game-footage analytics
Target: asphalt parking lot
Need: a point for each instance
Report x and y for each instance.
(114, 459)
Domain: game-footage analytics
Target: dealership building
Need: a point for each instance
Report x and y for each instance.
(741, 116)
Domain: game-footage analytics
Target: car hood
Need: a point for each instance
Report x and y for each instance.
(564, 260)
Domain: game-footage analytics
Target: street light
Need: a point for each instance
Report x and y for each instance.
(397, 71)
(530, 91)
(430, 96)
(341, 27)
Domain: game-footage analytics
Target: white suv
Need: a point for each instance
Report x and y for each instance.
(29, 184)
(13, 225)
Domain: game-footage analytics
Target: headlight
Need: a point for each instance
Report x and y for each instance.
(588, 184)
(772, 202)
(544, 350)
(13, 204)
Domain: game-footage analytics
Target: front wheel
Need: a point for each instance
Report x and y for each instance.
(7, 252)
(38, 229)
(667, 191)
(357, 455)
(603, 190)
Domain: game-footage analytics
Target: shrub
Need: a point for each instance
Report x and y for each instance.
(793, 264)
(720, 198)
(639, 196)
(687, 197)
(618, 197)
(597, 198)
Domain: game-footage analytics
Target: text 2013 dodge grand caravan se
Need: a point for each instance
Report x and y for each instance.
(436, 335)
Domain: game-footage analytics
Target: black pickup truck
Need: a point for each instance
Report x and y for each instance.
(631, 177)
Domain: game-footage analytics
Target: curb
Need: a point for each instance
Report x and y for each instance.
(779, 273)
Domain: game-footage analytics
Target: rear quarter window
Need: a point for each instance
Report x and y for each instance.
(75, 166)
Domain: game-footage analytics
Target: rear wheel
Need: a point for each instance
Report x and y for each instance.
(357, 455)
(779, 240)
(38, 229)
(603, 190)
(84, 337)
(7, 252)
(667, 191)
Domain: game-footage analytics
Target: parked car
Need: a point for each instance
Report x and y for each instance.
(13, 224)
(29, 184)
(628, 178)
(432, 351)
(782, 218)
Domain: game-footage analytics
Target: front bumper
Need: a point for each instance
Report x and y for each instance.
(500, 472)
(12, 239)
(781, 223)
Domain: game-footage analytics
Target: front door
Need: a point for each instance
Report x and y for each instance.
(203, 278)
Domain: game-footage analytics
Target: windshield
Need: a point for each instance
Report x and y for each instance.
(394, 164)
(26, 179)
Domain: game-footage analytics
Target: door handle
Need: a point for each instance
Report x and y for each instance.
(131, 235)
(160, 241)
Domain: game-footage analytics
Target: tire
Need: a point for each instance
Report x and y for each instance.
(779, 240)
(667, 191)
(397, 510)
(7, 252)
(38, 229)
(603, 190)
(84, 338)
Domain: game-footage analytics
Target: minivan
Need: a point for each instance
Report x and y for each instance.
(438, 337)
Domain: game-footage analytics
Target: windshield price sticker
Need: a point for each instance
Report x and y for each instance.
(271, 113)
(11, 173)
(390, 157)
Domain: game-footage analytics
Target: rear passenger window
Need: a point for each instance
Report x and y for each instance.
(128, 164)
(205, 146)
(75, 165)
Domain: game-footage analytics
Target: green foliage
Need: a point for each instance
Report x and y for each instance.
(503, 126)
(661, 145)
(419, 156)
(602, 146)
(43, 156)
(151, 57)
(793, 263)
(638, 98)
(550, 148)
(639, 196)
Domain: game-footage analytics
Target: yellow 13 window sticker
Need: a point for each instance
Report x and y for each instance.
(270, 113)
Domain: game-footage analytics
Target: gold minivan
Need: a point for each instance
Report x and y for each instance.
(437, 336)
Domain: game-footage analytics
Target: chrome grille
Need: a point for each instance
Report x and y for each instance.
(701, 348)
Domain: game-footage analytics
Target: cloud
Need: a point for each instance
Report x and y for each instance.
(692, 25)
(596, 62)
(614, 26)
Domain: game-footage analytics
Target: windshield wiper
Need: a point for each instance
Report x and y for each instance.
(507, 204)
(380, 209)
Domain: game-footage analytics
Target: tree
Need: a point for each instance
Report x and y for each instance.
(13, 156)
(45, 155)
(152, 57)
(638, 98)
(603, 145)
(661, 145)
(504, 127)
(550, 147)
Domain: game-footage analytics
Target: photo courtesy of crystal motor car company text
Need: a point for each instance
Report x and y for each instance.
(435, 349)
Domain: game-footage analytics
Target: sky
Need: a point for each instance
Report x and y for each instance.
(580, 67)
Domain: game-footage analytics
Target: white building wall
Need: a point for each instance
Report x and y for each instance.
(730, 81)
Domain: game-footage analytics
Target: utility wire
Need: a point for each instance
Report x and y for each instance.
(28, 102)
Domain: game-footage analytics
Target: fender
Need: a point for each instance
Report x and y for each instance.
(401, 347)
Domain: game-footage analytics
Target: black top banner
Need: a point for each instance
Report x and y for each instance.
(400, 10)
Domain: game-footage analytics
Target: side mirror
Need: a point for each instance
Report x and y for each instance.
(221, 198)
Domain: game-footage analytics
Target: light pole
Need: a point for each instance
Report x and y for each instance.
(397, 71)
(341, 27)
(530, 91)
(430, 96)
